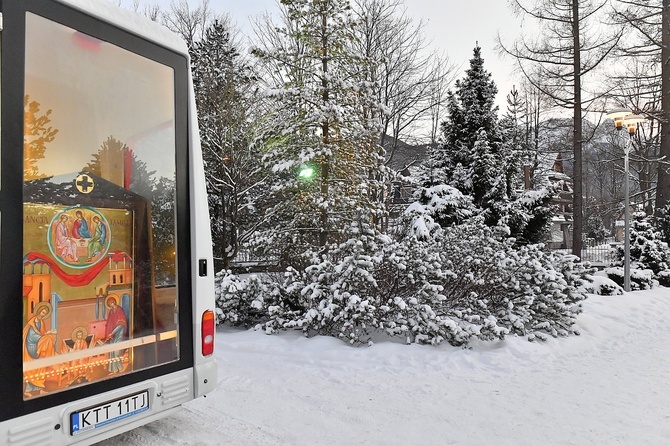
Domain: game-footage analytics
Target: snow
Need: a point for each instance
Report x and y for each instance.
(132, 22)
(608, 386)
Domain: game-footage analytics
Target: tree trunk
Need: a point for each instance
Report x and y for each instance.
(577, 138)
(663, 185)
(325, 128)
(223, 242)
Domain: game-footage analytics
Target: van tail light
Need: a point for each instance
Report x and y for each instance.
(208, 328)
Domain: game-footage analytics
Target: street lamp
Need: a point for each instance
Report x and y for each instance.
(624, 118)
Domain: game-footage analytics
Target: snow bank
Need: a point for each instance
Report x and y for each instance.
(607, 386)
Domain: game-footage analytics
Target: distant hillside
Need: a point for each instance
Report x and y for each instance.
(404, 154)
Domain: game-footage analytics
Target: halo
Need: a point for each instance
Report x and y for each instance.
(112, 296)
(71, 212)
(77, 330)
(41, 305)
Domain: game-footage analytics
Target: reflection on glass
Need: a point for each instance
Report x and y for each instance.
(99, 283)
(36, 135)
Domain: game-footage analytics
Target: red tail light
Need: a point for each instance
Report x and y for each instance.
(208, 327)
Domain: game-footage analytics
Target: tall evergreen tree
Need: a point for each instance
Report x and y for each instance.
(224, 84)
(321, 141)
(483, 158)
(469, 157)
(515, 141)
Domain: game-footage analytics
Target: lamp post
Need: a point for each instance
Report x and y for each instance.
(624, 118)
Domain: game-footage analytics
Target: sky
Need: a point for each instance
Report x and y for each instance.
(453, 26)
(607, 386)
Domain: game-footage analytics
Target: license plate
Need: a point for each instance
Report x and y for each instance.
(103, 414)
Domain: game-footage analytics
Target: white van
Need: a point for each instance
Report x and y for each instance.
(107, 297)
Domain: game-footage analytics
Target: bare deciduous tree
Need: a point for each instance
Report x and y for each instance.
(649, 45)
(190, 23)
(568, 49)
(411, 81)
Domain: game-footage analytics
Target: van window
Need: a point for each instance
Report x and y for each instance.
(99, 284)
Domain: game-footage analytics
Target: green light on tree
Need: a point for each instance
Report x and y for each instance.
(306, 173)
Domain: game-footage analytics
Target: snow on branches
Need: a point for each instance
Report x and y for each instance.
(459, 284)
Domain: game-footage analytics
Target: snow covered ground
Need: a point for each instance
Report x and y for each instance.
(609, 386)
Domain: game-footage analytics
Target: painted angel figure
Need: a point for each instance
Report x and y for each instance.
(65, 246)
(80, 226)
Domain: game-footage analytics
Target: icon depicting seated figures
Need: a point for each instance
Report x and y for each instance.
(38, 342)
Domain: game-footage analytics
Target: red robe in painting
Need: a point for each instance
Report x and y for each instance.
(115, 318)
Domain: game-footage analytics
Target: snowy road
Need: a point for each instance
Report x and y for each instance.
(610, 386)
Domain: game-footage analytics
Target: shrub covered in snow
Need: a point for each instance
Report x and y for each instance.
(237, 298)
(663, 223)
(647, 252)
(640, 279)
(663, 278)
(457, 284)
(518, 288)
(602, 285)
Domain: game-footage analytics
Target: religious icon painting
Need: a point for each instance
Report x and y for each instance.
(79, 236)
(78, 293)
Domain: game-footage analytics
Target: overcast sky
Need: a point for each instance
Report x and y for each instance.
(453, 26)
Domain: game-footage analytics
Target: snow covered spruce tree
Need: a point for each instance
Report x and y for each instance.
(321, 139)
(649, 255)
(481, 157)
(469, 157)
(476, 283)
(320, 148)
(529, 211)
(224, 90)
